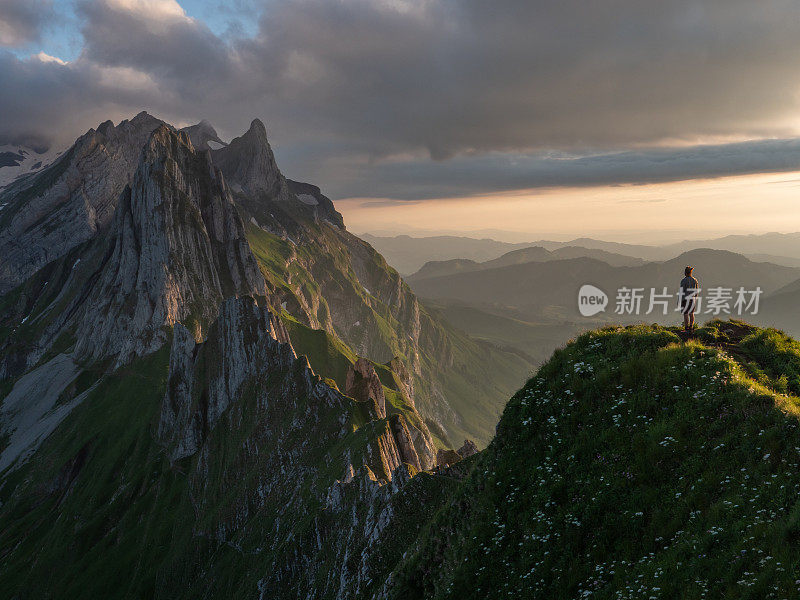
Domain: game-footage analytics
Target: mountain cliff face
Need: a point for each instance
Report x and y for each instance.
(50, 212)
(178, 250)
(329, 279)
(263, 481)
(173, 251)
(152, 401)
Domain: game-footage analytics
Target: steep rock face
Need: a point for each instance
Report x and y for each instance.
(264, 435)
(405, 445)
(175, 249)
(250, 167)
(54, 210)
(383, 455)
(405, 378)
(274, 202)
(364, 385)
(248, 341)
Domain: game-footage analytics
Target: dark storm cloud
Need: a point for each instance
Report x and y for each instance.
(464, 176)
(361, 94)
(21, 21)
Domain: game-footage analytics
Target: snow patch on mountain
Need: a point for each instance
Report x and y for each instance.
(21, 160)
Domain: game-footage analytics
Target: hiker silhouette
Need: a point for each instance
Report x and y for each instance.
(689, 295)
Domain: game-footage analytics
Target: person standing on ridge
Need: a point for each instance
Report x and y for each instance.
(689, 292)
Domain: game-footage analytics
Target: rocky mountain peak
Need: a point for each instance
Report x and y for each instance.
(249, 165)
(143, 119)
(50, 212)
(175, 250)
(257, 130)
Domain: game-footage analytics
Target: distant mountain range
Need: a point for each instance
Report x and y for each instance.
(530, 287)
(409, 254)
(527, 299)
(521, 256)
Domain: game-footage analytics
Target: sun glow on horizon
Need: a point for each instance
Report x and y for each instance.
(708, 207)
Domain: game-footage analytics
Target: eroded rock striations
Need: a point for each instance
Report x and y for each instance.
(50, 212)
(175, 249)
(248, 342)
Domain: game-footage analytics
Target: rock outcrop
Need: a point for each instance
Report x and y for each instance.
(445, 457)
(364, 385)
(249, 165)
(405, 445)
(274, 202)
(176, 250)
(468, 449)
(52, 211)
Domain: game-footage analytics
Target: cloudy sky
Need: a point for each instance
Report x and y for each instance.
(541, 116)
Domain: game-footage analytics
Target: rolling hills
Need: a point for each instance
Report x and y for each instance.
(529, 288)
(411, 253)
(519, 257)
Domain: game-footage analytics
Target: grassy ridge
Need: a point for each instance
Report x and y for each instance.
(633, 465)
(460, 383)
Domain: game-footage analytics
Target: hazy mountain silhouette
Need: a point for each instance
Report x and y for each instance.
(526, 290)
(522, 256)
(409, 254)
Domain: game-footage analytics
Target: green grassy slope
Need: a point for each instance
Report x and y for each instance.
(633, 465)
(460, 383)
(97, 512)
(537, 340)
(331, 359)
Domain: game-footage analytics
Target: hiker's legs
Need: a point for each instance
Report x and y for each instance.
(691, 320)
(686, 320)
